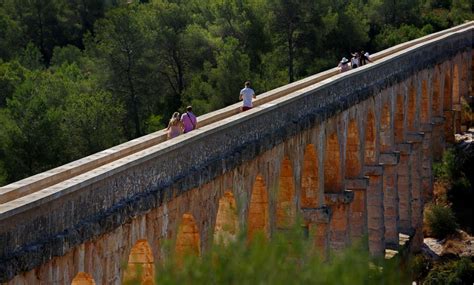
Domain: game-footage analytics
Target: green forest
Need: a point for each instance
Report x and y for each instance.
(80, 76)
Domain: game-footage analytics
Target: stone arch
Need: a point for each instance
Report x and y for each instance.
(310, 178)
(399, 118)
(332, 165)
(258, 216)
(437, 111)
(227, 224)
(286, 206)
(425, 103)
(83, 278)
(188, 241)
(140, 268)
(411, 108)
(370, 151)
(385, 128)
(353, 163)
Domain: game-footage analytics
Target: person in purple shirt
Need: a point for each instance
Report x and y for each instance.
(189, 120)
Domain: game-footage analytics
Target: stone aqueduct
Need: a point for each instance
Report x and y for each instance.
(351, 153)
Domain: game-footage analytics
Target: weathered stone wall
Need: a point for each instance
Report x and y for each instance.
(369, 179)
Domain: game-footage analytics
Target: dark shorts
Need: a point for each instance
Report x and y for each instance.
(245, 108)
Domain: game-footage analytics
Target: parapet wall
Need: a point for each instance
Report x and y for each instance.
(48, 223)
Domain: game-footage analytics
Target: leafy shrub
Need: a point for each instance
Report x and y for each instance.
(452, 272)
(285, 259)
(440, 221)
(446, 169)
(419, 266)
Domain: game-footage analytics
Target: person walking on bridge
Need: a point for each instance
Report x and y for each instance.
(189, 120)
(246, 95)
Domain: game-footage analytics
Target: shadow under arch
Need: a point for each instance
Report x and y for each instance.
(310, 178)
(141, 265)
(286, 206)
(83, 278)
(353, 163)
(332, 165)
(369, 151)
(258, 216)
(385, 128)
(227, 224)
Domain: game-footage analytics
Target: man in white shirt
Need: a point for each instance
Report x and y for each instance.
(246, 95)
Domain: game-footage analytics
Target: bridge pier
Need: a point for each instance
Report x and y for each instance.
(339, 237)
(404, 188)
(416, 139)
(449, 126)
(438, 142)
(358, 210)
(390, 162)
(375, 210)
(317, 221)
(427, 161)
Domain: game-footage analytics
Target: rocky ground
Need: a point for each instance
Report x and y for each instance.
(460, 244)
(465, 141)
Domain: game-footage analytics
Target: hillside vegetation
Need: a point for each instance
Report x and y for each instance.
(77, 77)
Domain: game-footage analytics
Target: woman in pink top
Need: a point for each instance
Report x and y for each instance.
(175, 126)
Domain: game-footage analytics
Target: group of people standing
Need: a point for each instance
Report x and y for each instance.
(187, 121)
(357, 59)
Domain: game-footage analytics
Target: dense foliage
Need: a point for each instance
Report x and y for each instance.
(454, 174)
(448, 270)
(80, 76)
(452, 272)
(288, 258)
(440, 221)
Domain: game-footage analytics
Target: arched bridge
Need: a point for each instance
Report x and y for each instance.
(351, 153)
